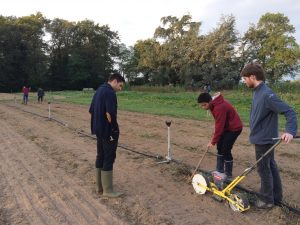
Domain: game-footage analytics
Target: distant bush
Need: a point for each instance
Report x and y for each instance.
(159, 89)
(287, 86)
(279, 87)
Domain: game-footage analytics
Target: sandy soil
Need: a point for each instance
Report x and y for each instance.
(47, 171)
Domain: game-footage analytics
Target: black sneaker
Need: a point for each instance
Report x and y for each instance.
(263, 205)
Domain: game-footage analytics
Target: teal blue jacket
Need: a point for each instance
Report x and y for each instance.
(265, 109)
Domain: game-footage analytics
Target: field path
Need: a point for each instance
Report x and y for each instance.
(48, 176)
(43, 193)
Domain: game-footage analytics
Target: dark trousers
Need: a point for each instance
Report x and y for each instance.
(106, 154)
(40, 98)
(271, 188)
(25, 98)
(226, 142)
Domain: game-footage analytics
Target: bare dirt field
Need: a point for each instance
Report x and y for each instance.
(47, 171)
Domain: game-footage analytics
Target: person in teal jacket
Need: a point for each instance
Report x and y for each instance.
(265, 109)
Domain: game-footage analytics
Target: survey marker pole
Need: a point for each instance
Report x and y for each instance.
(168, 156)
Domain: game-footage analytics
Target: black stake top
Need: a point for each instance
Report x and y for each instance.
(168, 123)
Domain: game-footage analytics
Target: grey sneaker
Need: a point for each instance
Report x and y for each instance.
(263, 205)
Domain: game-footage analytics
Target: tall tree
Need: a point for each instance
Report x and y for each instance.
(147, 55)
(96, 49)
(217, 55)
(23, 51)
(177, 37)
(127, 63)
(271, 43)
(82, 54)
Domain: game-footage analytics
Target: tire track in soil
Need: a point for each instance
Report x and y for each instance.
(44, 200)
(10, 201)
(166, 206)
(30, 183)
(24, 197)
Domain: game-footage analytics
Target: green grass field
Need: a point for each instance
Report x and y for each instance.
(178, 104)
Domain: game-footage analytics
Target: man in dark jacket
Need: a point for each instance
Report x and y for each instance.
(266, 106)
(228, 127)
(104, 124)
(40, 94)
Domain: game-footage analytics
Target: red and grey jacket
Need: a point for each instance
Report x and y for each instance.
(25, 90)
(226, 117)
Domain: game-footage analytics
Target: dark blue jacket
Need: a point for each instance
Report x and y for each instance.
(264, 116)
(40, 92)
(103, 112)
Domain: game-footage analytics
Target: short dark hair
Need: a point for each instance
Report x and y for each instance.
(116, 76)
(253, 69)
(204, 97)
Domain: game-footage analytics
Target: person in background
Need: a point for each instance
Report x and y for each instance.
(228, 126)
(208, 88)
(104, 124)
(40, 94)
(265, 108)
(25, 91)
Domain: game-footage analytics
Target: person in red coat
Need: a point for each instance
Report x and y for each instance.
(25, 91)
(228, 126)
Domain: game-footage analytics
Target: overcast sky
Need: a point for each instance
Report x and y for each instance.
(137, 19)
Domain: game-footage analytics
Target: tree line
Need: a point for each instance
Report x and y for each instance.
(62, 55)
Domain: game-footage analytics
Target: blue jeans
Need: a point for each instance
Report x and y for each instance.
(25, 98)
(271, 188)
(106, 154)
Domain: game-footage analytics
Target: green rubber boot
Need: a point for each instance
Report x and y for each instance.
(99, 189)
(107, 184)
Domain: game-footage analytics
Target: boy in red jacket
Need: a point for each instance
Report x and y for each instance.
(228, 126)
(25, 91)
